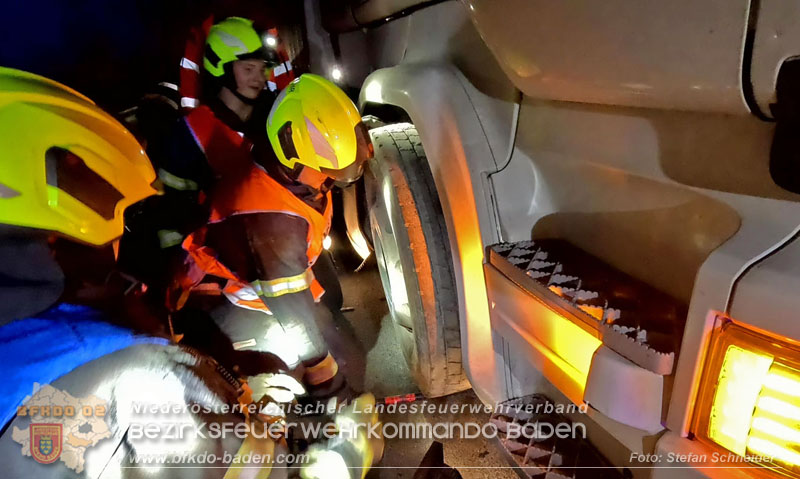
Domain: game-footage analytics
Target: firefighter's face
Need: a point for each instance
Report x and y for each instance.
(251, 77)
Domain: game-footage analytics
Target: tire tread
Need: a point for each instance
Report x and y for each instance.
(446, 368)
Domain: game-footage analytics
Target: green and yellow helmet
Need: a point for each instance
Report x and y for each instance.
(65, 164)
(315, 124)
(235, 39)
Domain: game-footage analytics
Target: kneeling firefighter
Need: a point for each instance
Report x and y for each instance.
(68, 169)
(267, 227)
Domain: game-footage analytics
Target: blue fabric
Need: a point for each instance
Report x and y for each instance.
(41, 349)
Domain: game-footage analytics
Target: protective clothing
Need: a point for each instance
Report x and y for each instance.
(263, 270)
(208, 143)
(43, 348)
(314, 124)
(221, 137)
(67, 166)
(133, 376)
(70, 354)
(257, 192)
(265, 232)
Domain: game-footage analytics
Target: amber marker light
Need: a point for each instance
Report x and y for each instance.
(749, 400)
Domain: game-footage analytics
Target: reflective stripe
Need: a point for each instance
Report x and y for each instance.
(241, 292)
(238, 346)
(169, 85)
(321, 145)
(188, 102)
(321, 372)
(235, 43)
(272, 85)
(281, 286)
(176, 182)
(280, 69)
(169, 238)
(244, 296)
(189, 65)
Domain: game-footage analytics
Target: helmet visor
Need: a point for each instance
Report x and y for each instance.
(345, 176)
(69, 173)
(364, 152)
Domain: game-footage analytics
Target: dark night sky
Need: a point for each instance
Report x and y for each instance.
(112, 50)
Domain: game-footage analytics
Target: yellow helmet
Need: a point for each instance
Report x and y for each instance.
(65, 164)
(235, 39)
(315, 124)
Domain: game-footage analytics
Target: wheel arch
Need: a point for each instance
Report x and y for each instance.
(433, 97)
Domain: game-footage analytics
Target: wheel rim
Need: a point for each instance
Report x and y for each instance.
(387, 253)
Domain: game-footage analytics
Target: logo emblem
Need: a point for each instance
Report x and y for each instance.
(46, 442)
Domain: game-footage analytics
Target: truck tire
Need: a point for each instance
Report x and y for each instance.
(414, 258)
(327, 276)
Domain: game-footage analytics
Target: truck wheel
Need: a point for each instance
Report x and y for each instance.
(327, 276)
(413, 255)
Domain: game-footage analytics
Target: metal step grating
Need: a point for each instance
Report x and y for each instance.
(634, 319)
(546, 458)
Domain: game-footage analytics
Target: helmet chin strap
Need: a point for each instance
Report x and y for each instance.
(246, 100)
(294, 175)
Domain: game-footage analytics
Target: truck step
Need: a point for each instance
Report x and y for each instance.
(631, 317)
(536, 456)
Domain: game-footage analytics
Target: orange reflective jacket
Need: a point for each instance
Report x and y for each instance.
(256, 192)
(227, 150)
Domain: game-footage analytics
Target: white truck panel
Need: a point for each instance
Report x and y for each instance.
(768, 293)
(766, 224)
(683, 55)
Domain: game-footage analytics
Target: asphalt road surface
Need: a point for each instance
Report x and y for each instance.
(363, 340)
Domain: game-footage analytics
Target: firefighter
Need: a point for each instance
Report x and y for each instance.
(267, 226)
(69, 169)
(216, 138)
(213, 139)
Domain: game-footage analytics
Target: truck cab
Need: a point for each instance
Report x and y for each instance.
(592, 201)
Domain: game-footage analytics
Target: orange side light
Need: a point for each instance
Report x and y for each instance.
(749, 402)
